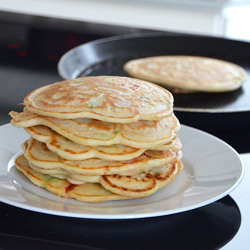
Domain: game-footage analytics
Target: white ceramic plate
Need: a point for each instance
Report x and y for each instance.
(212, 169)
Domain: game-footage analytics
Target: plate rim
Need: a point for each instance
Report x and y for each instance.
(133, 215)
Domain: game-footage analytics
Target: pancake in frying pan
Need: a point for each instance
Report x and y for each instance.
(188, 73)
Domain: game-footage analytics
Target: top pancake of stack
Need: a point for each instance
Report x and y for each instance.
(106, 98)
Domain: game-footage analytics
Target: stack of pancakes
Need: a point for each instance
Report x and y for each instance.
(100, 138)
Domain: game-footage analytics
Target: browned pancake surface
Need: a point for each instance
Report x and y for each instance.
(39, 155)
(107, 98)
(91, 132)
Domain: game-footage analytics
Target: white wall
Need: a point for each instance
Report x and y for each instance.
(142, 14)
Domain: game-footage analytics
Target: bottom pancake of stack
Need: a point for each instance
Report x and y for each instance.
(110, 187)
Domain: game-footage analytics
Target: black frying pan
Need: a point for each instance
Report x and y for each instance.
(223, 114)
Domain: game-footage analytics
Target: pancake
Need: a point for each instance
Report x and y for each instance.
(108, 98)
(70, 150)
(39, 155)
(70, 176)
(78, 178)
(90, 132)
(88, 192)
(190, 73)
(144, 184)
(124, 187)
(166, 174)
(179, 90)
(174, 145)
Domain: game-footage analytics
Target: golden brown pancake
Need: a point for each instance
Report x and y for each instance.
(78, 178)
(188, 73)
(39, 155)
(90, 132)
(174, 145)
(89, 192)
(107, 98)
(72, 177)
(124, 187)
(143, 184)
(70, 150)
(166, 174)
